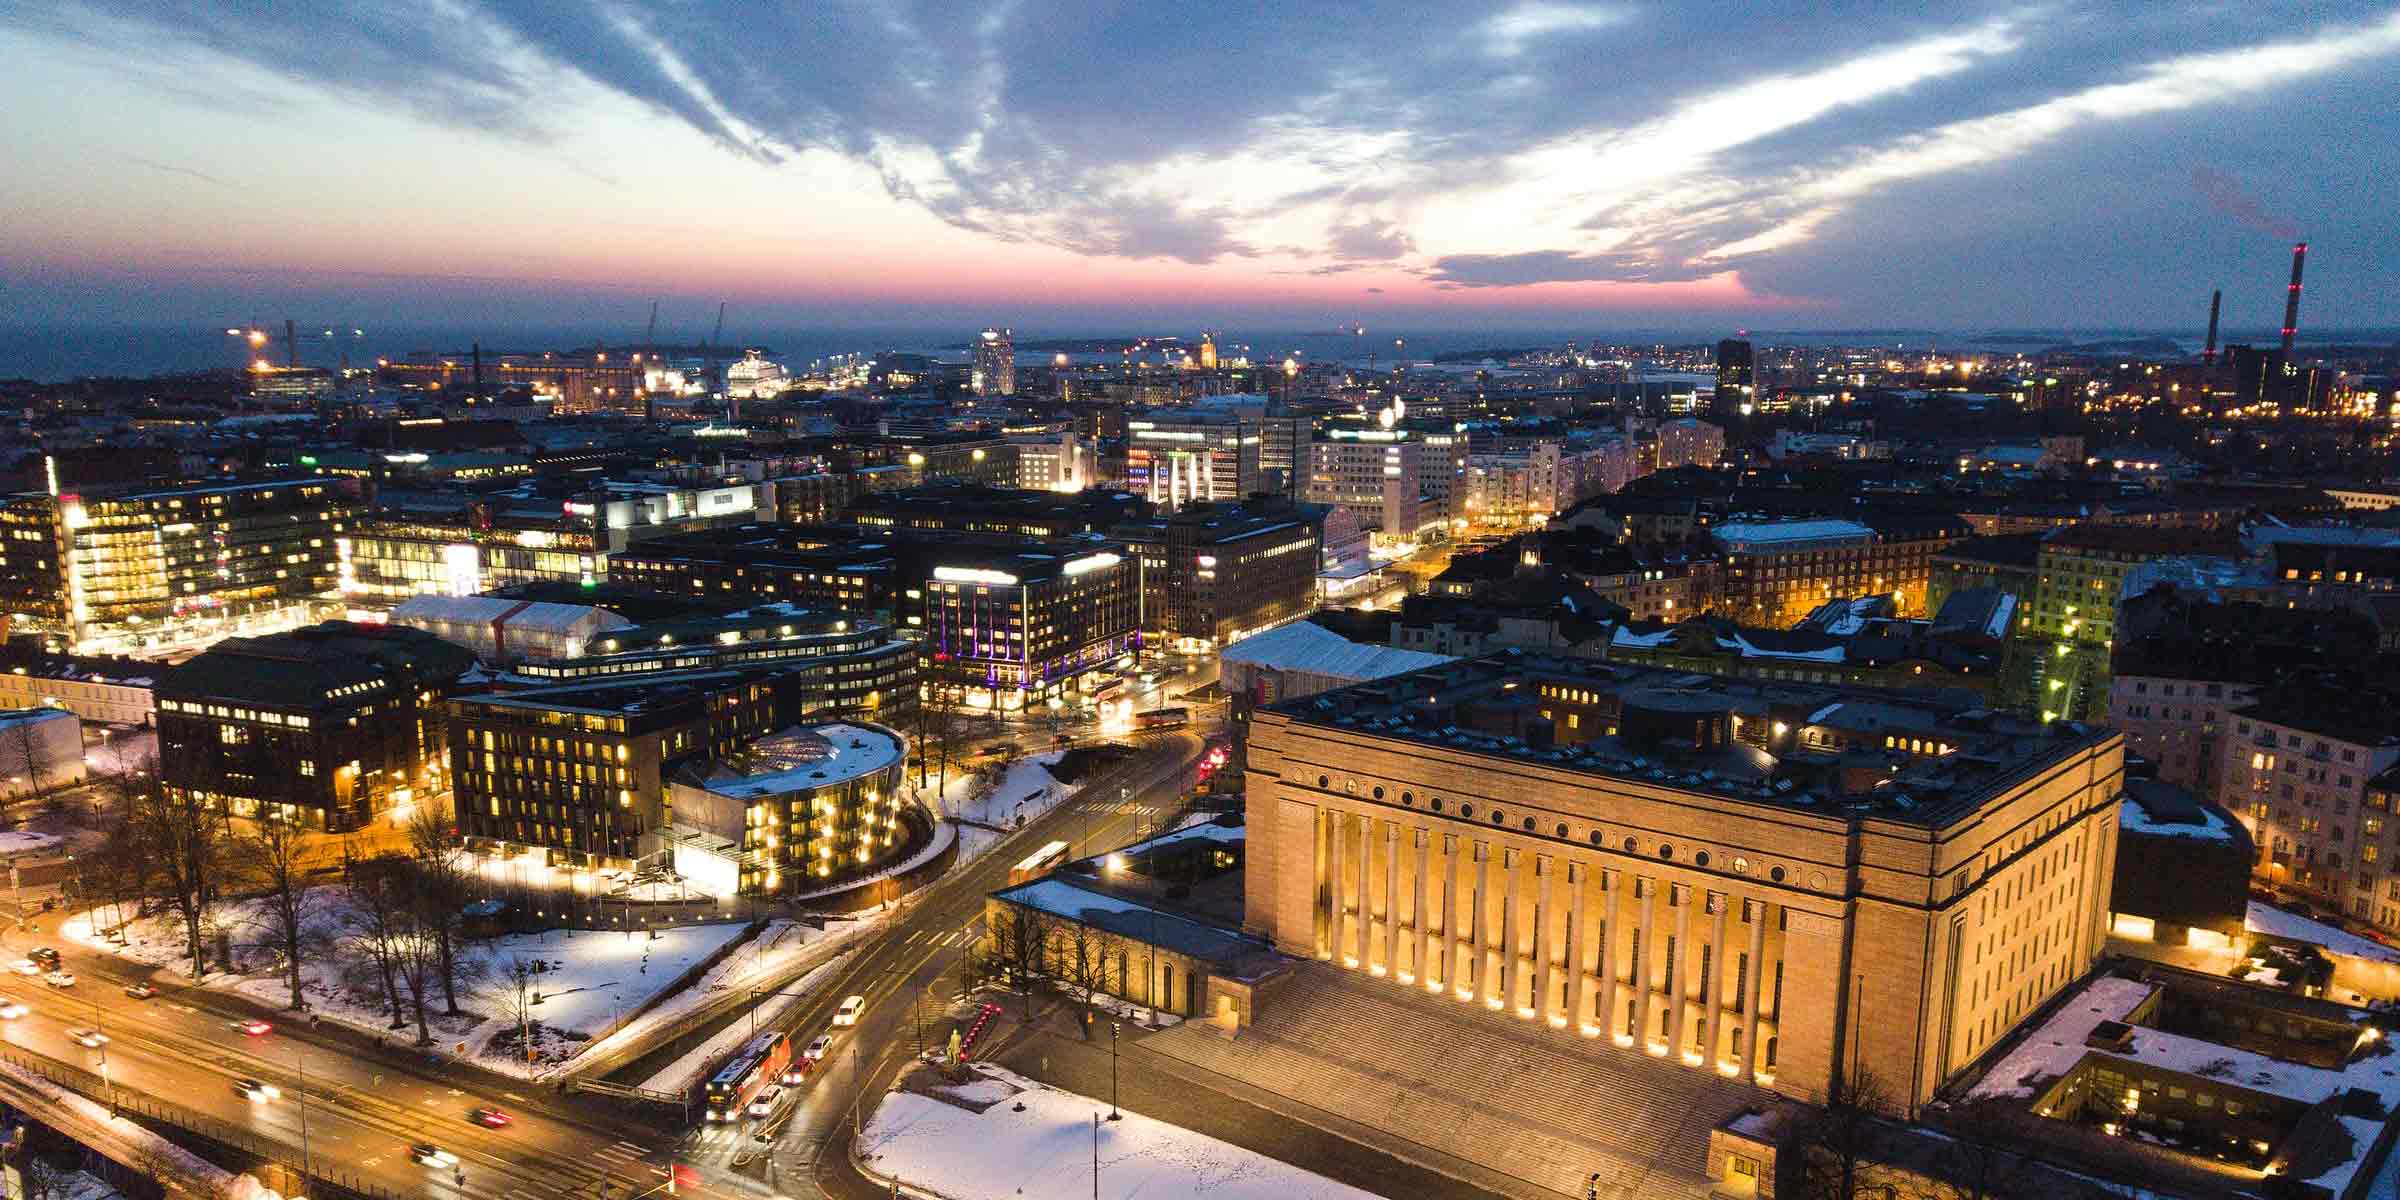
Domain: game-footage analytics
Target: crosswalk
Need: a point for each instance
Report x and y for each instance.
(952, 940)
(1110, 808)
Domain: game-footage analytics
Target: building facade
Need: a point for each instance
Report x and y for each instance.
(995, 369)
(328, 727)
(1775, 573)
(1178, 457)
(1779, 883)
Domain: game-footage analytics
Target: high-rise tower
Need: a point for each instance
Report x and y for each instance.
(995, 363)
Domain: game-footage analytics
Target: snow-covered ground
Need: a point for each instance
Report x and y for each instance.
(588, 977)
(684, 1073)
(941, 1149)
(753, 966)
(1023, 792)
(2275, 922)
(14, 842)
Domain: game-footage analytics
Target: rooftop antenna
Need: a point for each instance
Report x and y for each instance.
(733, 407)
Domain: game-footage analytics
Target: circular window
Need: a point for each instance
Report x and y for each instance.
(1435, 804)
(1775, 873)
(1408, 797)
(1467, 811)
(1741, 866)
(1562, 829)
(1379, 793)
(1700, 859)
(1529, 826)
(1499, 818)
(1665, 850)
(1629, 845)
(1322, 781)
(1596, 836)
(1816, 879)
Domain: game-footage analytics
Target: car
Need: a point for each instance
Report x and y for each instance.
(46, 956)
(491, 1118)
(140, 991)
(764, 1105)
(92, 1038)
(60, 979)
(252, 1027)
(818, 1049)
(11, 1008)
(428, 1154)
(848, 1013)
(25, 966)
(256, 1091)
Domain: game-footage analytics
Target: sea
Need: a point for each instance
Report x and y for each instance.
(50, 354)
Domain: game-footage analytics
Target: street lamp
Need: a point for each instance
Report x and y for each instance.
(1113, 1114)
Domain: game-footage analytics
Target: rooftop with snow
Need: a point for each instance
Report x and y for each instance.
(1918, 756)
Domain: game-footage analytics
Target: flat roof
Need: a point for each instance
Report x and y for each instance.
(1467, 706)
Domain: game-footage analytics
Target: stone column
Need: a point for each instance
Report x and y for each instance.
(1576, 937)
(1479, 963)
(1341, 925)
(1367, 890)
(1424, 928)
(1322, 893)
(1680, 970)
(1712, 1010)
(1391, 899)
(1646, 939)
(1543, 979)
(1755, 912)
(1512, 971)
(1448, 977)
(1604, 936)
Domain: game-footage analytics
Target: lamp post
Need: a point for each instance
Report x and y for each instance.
(1113, 1114)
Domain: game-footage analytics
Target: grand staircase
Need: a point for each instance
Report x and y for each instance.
(1541, 1107)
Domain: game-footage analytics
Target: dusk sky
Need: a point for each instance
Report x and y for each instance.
(1541, 165)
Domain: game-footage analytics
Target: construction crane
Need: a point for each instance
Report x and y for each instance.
(733, 408)
(649, 354)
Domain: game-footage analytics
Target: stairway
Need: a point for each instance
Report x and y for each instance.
(1544, 1106)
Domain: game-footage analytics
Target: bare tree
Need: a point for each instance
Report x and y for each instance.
(1840, 1145)
(442, 888)
(1020, 948)
(183, 840)
(22, 755)
(511, 992)
(1974, 1170)
(942, 731)
(374, 920)
(1083, 960)
(416, 954)
(270, 853)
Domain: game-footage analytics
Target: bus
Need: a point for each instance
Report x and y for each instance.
(766, 1060)
(1163, 718)
(1039, 863)
(1104, 690)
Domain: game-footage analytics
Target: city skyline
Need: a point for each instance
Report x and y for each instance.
(1538, 166)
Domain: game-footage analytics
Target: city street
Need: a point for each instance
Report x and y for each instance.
(368, 1105)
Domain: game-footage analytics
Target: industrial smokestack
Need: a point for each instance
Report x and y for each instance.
(291, 345)
(2208, 356)
(478, 394)
(2291, 299)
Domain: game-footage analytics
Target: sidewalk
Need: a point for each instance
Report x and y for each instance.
(1050, 1050)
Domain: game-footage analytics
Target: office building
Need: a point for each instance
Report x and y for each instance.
(1737, 375)
(995, 369)
(132, 570)
(1175, 457)
(1380, 477)
(1215, 573)
(329, 726)
(1686, 442)
(1009, 628)
(2296, 771)
(802, 807)
(1774, 573)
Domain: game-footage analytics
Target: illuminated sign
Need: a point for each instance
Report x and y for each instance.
(1091, 562)
(978, 575)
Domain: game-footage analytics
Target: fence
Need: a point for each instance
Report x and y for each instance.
(229, 1146)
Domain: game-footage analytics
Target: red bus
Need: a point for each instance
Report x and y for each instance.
(1163, 718)
(1039, 863)
(766, 1060)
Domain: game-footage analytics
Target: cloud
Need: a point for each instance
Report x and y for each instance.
(172, 169)
(1507, 34)
(1545, 142)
